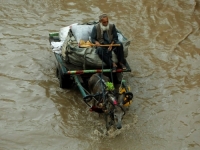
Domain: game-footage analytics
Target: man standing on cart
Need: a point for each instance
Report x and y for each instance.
(105, 33)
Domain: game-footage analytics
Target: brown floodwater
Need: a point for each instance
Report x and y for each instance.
(164, 57)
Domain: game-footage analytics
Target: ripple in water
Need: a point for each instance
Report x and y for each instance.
(127, 124)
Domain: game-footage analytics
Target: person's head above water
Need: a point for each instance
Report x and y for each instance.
(103, 19)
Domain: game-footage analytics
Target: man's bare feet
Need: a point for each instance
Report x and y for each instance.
(114, 65)
(122, 66)
(114, 69)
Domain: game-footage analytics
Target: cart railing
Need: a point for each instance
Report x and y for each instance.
(71, 72)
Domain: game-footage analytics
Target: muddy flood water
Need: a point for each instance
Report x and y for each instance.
(164, 55)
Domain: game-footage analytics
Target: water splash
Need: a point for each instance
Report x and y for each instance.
(101, 132)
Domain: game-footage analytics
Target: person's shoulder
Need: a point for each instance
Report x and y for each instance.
(112, 25)
(95, 26)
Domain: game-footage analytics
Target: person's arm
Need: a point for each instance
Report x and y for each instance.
(94, 35)
(115, 36)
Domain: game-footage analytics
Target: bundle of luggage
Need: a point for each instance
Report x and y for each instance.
(76, 48)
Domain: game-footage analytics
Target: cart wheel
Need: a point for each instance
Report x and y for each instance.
(65, 81)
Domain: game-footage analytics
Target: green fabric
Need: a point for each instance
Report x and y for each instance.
(109, 86)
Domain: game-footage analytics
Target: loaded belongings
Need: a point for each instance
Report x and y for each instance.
(77, 48)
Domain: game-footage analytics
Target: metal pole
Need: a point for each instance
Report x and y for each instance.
(81, 89)
(79, 86)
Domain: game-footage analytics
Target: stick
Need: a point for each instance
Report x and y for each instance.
(82, 43)
(87, 44)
